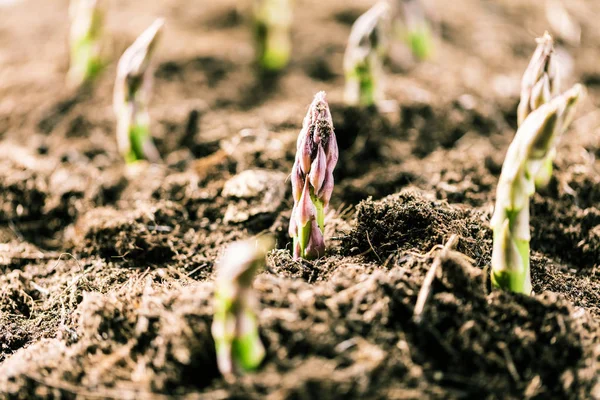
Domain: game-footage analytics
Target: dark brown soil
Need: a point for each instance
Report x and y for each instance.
(106, 270)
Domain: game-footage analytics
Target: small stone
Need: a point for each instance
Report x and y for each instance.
(253, 192)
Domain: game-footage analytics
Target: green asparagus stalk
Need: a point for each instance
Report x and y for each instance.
(365, 52)
(235, 328)
(272, 27)
(131, 95)
(535, 139)
(87, 17)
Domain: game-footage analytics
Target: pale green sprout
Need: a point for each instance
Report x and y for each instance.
(87, 18)
(235, 327)
(412, 26)
(535, 139)
(364, 56)
(131, 95)
(272, 27)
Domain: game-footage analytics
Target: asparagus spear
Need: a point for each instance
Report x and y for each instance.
(526, 155)
(132, 91)
(235, 328)
(540, 83)
(87, 17)
(272, 26)
(312, 179)
(363, 60)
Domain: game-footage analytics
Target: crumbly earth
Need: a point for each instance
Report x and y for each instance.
(106, 270)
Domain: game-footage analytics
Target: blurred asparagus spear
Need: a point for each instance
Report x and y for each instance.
(413, 27)
(132, 92)
(235, 328)
(87, 18)
(562, 23)
(365, 52)
(272, 21)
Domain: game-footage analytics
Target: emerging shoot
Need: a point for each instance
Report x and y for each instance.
(540, 84)
(87, 17)
(363, 60)
(535, 138)
(312, 179)
(133, 86)
(234, 328)
(541, 81)
(272, 26)
(413, 27)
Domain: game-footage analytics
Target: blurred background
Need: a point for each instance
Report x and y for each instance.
(482, 48)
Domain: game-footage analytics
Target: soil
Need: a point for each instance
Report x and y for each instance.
(106, 270)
